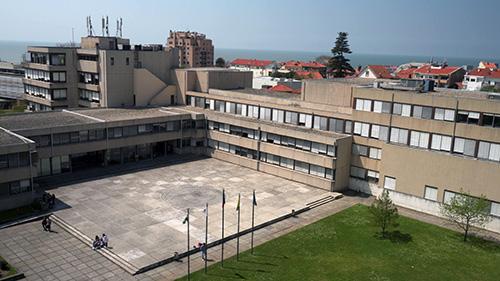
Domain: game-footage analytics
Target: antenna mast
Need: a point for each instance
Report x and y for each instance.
(121, 27)
(107, 26)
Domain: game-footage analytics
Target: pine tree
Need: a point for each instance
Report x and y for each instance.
(338, 65)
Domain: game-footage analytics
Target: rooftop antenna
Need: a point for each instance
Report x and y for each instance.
(102, 25)
(121, 27)
(72, 37)
(107, 26)
(117, 28)
(91, 30)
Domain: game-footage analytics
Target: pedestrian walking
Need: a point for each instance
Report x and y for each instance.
(49, 224)
(44, 224)
(203, 249)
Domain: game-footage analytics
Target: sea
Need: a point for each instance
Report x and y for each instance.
(13, 51)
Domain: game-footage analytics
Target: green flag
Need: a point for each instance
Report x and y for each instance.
(238, 205)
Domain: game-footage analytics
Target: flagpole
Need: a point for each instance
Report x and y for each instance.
(238, 231)
(222, 246)
(253, 219)
(206, 236)
(188, 247)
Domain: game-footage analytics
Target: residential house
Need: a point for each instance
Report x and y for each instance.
(443, 75)
(478, 78)
(377, 72)
(258, 67)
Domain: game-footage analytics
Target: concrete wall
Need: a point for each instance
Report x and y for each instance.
(116, 81)
(331, 93)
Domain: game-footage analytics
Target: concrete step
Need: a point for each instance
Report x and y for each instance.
(107, 253)
(324, 200)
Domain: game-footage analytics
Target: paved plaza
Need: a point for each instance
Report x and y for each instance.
(142, 211)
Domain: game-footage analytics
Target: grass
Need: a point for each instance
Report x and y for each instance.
(345, 246)
(11, 214)
(5, 273)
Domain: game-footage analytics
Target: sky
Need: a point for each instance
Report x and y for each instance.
(454, 28)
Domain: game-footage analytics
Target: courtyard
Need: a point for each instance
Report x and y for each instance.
(142, 211)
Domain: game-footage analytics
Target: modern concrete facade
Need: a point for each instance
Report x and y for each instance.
(102, 72)
(424, 147)
(195, 49)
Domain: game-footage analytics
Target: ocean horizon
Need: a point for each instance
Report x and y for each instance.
(12, 51)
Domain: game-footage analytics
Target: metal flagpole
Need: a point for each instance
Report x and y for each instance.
(189, 260)
(238, 231)
(206, 236)
(254, 203)
(222, 245)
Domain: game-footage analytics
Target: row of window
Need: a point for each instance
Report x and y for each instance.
(47, 76)
(274, 159)
(480, 149)
(14, 160)
(88, 78)
(89, 95)
(364, 174)
(115, 132)
(427, 112)
(371, 152)
(273, 115)
(16, 187)
(306, 145)
(87, 57)
(51, 59)
(48, 94)
(54, 165)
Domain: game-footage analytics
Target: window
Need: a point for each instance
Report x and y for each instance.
(59, 94)
(430, 193)
(265, 113)
(495, 209)
(401, 109)
(57, 59)
(253, 111)
(361, 129)
(440, 142)
(359, 150)
(331, 150)
(286, 162)
(359, 173)
(372, 176)
(348, 127)
(389, 183)
(89, 95)
(112, 61)
(419, 139)
(422, 112)
(468, 117)
(58, 77)
(127, 61)
(375, 153)
(363, 105)
(489, 151)
(336, 125)
(18, 187)
(448, 195)
(291, 117)
(278, 115)
(317, 170)
(302, 167)
(399, 136)
(305, 120)
(464, 146)
(320, 123)
(444, 114)
(381, 107)
(220, 106)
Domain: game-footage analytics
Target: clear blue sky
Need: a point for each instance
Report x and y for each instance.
(461, 28)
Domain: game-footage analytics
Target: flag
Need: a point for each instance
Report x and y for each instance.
(254, 199)
(223, 198)
(205, 212)
(185, 219)
(238, 205)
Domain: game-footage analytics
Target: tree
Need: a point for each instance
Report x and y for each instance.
(339, 65)
(385, 213)
(220, 62)
(465, 210)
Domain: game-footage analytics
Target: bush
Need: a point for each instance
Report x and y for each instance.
(4, 265)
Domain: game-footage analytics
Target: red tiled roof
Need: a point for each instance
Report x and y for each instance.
(485, 72)
(308, 75)
(428, 69)
(381, 71)
(490, 65)
(406, 73)
(300, 64)
(251, 62)
(284, 89)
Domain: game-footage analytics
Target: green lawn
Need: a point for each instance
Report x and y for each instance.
(4, 273)
(344, 247)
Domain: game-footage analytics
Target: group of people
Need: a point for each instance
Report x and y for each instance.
(100, 242)
(49, 200)
(46, 223)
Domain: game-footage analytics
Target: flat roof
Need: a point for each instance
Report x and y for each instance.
(122, 114)
(267, 93)
(41, 120)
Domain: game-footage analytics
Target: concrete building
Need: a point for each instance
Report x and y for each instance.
(260, 68)
(195, 49)
(102, 72)
(424, 147)
(11, 81)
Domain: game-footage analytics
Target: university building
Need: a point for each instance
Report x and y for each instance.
(102, 72)
(423, 146)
